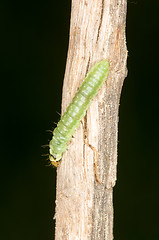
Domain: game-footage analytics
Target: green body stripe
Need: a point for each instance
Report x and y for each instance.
(76, 110)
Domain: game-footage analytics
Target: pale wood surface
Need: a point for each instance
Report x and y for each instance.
(84, 207)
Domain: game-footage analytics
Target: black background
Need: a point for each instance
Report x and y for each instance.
(33, 48)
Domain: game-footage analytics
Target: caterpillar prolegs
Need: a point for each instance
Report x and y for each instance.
(76, 110)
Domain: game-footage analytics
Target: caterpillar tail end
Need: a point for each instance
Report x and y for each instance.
(54, 161)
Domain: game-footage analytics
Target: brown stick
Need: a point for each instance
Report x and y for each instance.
(84, 208)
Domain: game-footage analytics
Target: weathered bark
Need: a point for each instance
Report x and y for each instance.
(84, 207)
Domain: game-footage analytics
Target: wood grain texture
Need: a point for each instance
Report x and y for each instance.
(84, 207)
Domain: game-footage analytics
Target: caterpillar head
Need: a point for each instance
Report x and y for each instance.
(55, 161)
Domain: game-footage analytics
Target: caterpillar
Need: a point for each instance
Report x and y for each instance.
(76, 110)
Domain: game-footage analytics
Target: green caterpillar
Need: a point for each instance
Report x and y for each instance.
(76, 110)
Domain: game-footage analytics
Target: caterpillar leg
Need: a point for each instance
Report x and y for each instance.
(95, 155)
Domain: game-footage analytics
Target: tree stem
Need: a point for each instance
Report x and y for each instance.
(84, 206)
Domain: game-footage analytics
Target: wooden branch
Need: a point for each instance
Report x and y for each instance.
(84, 208)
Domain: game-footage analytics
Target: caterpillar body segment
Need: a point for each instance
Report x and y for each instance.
(76, 110)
